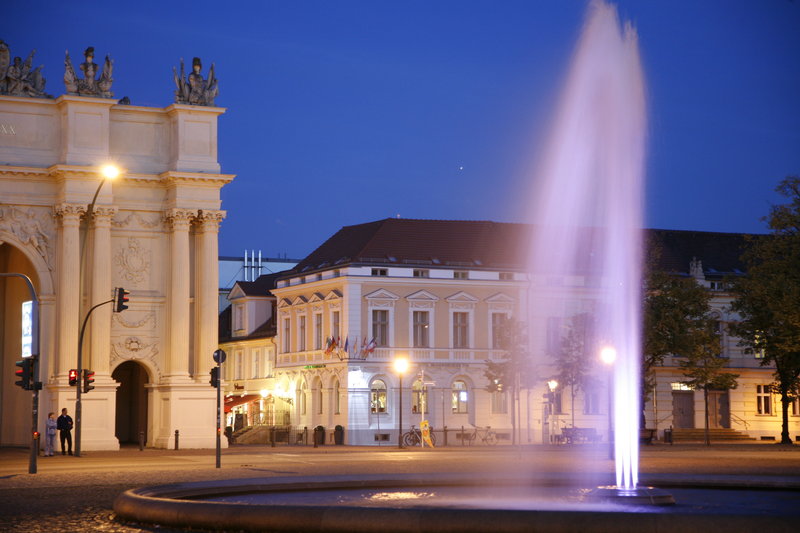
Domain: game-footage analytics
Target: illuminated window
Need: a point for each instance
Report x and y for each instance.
(377, 397)
(317, 331)
(301, 334)
(460, 397)
(680, 386)
(764, 399)
(419, 397)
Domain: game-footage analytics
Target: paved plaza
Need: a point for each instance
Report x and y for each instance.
(77, 493)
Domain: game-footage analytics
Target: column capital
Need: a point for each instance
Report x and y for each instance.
(208, 220)
(69, 214)
(180, 219)
(102, 215)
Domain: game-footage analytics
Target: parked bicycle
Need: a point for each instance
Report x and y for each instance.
(487, 436)
(414, 437)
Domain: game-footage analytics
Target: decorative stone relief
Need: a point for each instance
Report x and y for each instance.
(118, 318)
(133, 348)
(139, 219)
(193, 89)
(17, 78)
(89, 85)
(180, 218)
(133, 261)
(32, 227)
(210, 220)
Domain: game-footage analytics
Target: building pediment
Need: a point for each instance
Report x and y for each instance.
(236, 293)
(422, 295)
(381, 294)
(284, 302)
(300, 300)
(335, 294)
(500, 298)
(461, 297)
(316, 297)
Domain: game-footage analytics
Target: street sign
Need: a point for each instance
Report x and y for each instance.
(219, 356)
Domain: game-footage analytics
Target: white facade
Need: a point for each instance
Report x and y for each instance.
(153, 231)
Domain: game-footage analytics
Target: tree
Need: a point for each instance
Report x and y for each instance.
(514, 371)
(576, 357)
(676, 311)
(767, 298)
(704, 367)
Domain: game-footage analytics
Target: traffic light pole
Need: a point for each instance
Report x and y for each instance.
(80, 382)
(37, 385)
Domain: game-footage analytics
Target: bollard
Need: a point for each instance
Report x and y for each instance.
(177, 438)
(305, 435)
(141, 440)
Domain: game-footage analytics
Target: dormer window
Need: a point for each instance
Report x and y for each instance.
(506, 276)
(380, 272)
(460, 274)
(422, 273)
(238, 317)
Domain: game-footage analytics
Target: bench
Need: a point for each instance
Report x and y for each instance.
(646, 435)
(577, 435)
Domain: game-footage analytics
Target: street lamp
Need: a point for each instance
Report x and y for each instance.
(608, 355)
(401, 367)
(109, 172)
(552, 385)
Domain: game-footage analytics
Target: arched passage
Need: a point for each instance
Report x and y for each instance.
(15, 403)
(131, 415)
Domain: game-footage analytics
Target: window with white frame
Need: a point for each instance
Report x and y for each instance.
(238, 365)
(377, 396)
(422, 273)
(238, 317)
(506, 276)
(335, 324)
(460, 330)
(419, 397)
(317, 331)
(255, 365)
(499, 402)
(461, 274)
(380, 272)
(301, 333)
(380, 327)
(499, 321)
(287, 338)
(764, 399)
(460, 397)
(336, 397)
(421, 329)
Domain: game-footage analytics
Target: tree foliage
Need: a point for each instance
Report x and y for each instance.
(767, 298)
(576, 357)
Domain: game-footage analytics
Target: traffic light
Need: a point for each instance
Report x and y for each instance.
(24, 373)
(214, 381)
(73, 377)
(88, 379)
(121, 300)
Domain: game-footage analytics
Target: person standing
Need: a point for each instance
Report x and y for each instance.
(50, 435)
(64, 425)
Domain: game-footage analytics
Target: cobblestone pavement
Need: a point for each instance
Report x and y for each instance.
(76, 494)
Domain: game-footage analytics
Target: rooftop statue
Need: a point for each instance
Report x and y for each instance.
(17, 78)
(194, 90)
(89, 85)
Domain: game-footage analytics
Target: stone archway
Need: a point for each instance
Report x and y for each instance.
(131, 410)
(15, 403)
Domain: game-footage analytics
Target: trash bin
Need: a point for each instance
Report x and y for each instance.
(338, 435)
(668, 435)
(319, 435)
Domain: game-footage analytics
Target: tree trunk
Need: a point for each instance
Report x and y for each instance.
(513, 418)
(705, 399)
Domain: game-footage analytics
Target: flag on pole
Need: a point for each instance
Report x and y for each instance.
(346, 343)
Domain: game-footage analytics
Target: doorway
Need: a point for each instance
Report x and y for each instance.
(719, 412)
(683, 409)
(131, 415)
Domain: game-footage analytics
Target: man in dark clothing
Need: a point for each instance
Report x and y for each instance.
(64, 426)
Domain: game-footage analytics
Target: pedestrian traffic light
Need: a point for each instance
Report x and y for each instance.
(73, 377)
(24, 373)
(214, 381)
(88, 379)
(121, 300)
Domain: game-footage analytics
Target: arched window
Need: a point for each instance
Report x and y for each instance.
(301, 400)
(419, 397)
(460, 397)
(318, 395)
(377, 397)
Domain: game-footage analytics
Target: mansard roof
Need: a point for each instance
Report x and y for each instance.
(486, 245)
(262, 286)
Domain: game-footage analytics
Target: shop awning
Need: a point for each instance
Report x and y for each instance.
(233, 401)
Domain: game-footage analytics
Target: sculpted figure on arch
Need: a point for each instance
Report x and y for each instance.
(90, 85)
(193, 89)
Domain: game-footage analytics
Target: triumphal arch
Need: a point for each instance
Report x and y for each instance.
(153, 230)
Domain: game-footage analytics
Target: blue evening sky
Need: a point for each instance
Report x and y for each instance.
(342, 112)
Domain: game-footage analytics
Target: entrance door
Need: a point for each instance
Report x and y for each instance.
(683, 409)
(131, 419)
(719, 413)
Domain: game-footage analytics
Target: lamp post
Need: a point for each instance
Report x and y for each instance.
(401, 367)
(608, 354)
(109, 172)
(552, 385)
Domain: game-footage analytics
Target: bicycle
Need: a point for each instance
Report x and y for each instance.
(487, 436)
(413, 437)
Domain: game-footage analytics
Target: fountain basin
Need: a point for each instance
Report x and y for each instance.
(438, 503)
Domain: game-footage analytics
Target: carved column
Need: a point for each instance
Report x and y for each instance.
(68, 289)
(206, 290)
(177, 361)
(99, 274)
